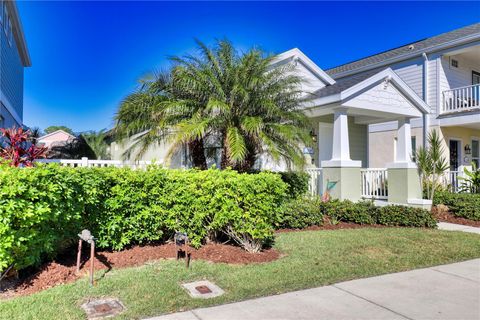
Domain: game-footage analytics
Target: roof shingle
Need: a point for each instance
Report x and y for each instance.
(419, 46)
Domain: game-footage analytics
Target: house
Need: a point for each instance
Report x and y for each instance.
(368, 116)
(56, 138)
(14, 58)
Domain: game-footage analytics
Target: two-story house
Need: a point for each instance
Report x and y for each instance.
(369, 115)
(444, 71)
(14, 57)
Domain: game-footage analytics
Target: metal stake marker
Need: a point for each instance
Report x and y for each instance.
(87, 236)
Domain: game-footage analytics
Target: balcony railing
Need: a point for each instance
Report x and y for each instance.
(374, 183)
(461, 99)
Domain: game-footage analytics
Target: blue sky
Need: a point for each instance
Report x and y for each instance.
(88, 55)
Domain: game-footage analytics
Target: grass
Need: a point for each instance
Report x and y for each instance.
(312, 259)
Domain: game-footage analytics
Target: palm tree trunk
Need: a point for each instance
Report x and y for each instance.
(199, 161)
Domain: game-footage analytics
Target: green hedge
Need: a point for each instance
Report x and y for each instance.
(296, 181)
(43, 208)
(304, 212)
(464, 205)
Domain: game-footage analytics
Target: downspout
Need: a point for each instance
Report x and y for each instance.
(426, 123)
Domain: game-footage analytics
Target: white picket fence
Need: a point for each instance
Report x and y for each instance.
(374, 183)
(85, 162)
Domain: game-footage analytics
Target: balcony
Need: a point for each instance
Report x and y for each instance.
(461, 99)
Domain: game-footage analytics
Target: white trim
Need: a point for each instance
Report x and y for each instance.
(401, 165)
(341, 163)
(407, 56)
(296, 54)
(419, 201)
(8, 106)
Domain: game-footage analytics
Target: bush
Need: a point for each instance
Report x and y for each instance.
(297, 182)
(360, 212)
(464, 205)
(405, 216)
(304, 212)
(42, 209)
(300, 213)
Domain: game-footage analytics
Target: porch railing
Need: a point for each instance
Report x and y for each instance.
(315, 181)
(450, 180)
(85, 162)
(461, 99)
(374, 183)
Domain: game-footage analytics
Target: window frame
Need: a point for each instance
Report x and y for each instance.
(476, 157)
(475, 73)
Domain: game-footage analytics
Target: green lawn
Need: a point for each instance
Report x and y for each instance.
(313, 258)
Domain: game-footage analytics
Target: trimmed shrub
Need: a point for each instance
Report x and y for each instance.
(42, 209)
(300, 213)
(464, 205)
(297, 182)
(361, 212)
(405, 216)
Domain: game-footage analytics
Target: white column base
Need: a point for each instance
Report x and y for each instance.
(401, 165)
(341, 163)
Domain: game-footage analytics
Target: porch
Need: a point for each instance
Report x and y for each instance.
(339, 160)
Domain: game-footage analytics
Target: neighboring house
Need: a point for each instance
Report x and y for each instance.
(14, 58)
(371, 113)
(56, 138)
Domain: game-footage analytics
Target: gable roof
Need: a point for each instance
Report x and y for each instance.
(465, 34)
(346, 88)
(56, 132)
(296, 55)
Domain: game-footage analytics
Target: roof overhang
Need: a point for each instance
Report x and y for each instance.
(410, 55)
(384, 96)
(295, 55)
(18, 34)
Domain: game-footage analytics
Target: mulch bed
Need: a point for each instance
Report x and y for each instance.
(441, 213)
(62, 270)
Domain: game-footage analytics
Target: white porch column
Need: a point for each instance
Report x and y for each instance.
(340, 145)
(403, 157)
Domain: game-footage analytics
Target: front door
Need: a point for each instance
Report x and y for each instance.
(454, 154)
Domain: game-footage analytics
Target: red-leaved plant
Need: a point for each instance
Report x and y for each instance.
(16, 148)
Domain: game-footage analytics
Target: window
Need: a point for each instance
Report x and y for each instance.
(476, 152)
(475, 77)
(2, 122)
(454, 63)
(7, 24)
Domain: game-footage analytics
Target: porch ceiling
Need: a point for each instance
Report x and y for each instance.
(379, 98)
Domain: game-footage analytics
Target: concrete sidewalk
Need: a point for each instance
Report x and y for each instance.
(457, 227)
(443, 292)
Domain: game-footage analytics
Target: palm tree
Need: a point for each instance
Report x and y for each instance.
(431, 163)
(239, 100)
(96, 141)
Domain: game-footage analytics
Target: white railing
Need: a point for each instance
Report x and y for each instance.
(374, 183)
(461, 99)
(85, 162)
(315, 182)
(450, 180)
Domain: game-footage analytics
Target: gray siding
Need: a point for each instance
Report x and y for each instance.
(357, 136)
(11, 75)
(411, 71)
